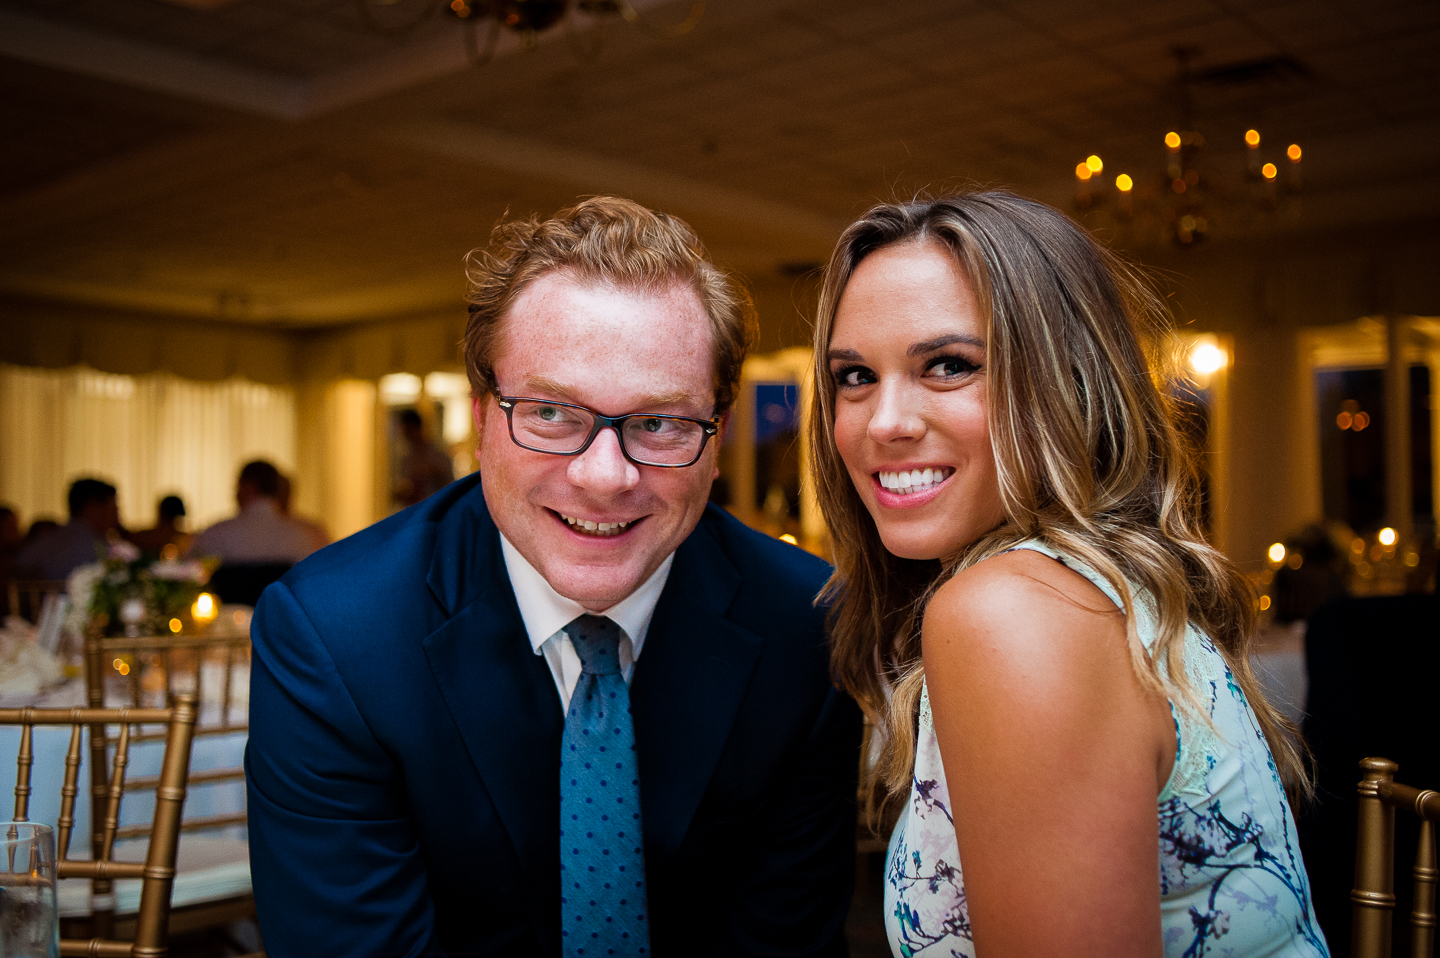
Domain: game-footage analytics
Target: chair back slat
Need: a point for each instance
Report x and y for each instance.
(1422, 920)
(134, 679)
(225, 693)
(23, 761)
(117, 788)
(154, 914)
(65, 824)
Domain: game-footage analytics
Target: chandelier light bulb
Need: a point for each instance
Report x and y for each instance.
(1277, 553)
(1082, 172)
(1172, 140)
(1095, 163)
(1387, 536)
(1293, 151)
(1123, 183)
(1269, 171)
(1252, 138)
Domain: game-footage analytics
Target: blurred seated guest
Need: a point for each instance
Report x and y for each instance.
(9, 545)
(260, 533)
(318, 534)
(1311, 575)
(167, 529)
(38, 528)
(425, 468)
(1372, 663)
(94, 517)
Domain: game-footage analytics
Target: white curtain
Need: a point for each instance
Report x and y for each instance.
(150, 436)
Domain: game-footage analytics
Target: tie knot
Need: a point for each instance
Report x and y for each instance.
(597, 642)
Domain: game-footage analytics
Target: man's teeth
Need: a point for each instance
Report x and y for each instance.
(916, 480)
(592, 528)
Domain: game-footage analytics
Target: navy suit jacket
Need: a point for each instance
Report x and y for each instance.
(404, 752)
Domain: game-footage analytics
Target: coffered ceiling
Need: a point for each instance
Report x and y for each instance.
(280, 162)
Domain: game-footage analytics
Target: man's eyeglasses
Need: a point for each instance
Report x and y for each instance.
(566, 429)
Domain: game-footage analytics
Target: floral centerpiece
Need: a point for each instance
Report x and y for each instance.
(131, 593)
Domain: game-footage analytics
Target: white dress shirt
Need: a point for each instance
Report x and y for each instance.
(547, 612)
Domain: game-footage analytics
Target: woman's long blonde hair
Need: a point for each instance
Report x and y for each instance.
(1087, 451)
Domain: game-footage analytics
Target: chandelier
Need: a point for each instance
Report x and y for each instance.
(584, 21)
(1182, 193)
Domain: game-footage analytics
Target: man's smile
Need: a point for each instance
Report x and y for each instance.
(591, 527)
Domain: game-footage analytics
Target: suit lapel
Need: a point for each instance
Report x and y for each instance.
(499, 693)
(688, 686)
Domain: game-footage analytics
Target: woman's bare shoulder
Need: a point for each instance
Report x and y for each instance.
(1019, 586)
(1022, 613)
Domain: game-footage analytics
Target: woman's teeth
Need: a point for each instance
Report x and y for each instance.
(587, 527)
(916, 480)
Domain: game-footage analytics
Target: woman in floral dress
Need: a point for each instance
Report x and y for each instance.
(1027, 608)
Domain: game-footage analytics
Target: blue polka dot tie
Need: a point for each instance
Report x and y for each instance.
(602, 860)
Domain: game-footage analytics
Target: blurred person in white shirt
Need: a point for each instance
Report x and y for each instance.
(261, 533)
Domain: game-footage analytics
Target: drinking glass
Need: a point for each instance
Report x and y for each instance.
(29, 919)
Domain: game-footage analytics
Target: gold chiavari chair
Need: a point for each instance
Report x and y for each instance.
(157, 871)
(151, 670)
(27, 596)
(1373, 898)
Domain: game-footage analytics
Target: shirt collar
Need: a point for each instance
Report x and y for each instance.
(546, 611)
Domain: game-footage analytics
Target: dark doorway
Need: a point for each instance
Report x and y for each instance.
(1351, 406)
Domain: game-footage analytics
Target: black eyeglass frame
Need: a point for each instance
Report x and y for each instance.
(709, 426)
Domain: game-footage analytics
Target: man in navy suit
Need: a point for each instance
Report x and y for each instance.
(411, 684)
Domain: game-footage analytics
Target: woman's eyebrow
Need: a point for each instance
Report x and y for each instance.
(940, 342)
(844, 355)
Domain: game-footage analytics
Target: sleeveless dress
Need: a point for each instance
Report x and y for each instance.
(1231, 879)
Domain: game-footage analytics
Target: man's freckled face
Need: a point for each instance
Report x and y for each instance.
(617, 351)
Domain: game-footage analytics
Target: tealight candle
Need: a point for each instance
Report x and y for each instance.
(205, 609)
